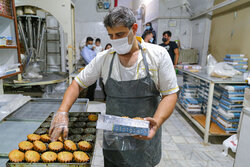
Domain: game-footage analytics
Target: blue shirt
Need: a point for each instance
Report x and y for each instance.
(87, 54)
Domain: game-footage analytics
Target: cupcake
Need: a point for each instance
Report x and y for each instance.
(84, 146)
(65, 157)
(39, 146)
(45, 138)
(16, 156)
(32, 156)
(49, 156)
(92, 117)
(56, 146)
(60, 139)
(33, 137)
(138, 118)
(25, 145)
(80, 156)
(70, 145)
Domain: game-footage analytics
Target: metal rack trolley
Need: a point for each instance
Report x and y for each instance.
(202, 75)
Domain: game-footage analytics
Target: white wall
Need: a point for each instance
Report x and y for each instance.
(201, 29)
(88, 22)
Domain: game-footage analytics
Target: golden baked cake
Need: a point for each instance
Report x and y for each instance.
(65, 156)
(33, 137)
(139, 118)
(80, 156)
(125, 117)
(70, 145)
(49, 156)
(92, 117)
(56, 146)
(60, 139)
(39, 146)
(32, 156)
(25, 145)
(16, 156)
(84, 146)
(45, 138)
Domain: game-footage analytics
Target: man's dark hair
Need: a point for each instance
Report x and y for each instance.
(167, 32)
(98, 40)
(148, 32)
(149, 24)
(119, 16)
(89, 39)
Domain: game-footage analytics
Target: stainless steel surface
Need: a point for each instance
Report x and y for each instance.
(39, 109)
(202, 74)
(48, 78)
(14, 132)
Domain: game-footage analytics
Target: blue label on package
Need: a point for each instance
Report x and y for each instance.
(131, 130)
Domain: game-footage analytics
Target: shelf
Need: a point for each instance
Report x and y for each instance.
(6, 16)
(214, 129)
(8, 47)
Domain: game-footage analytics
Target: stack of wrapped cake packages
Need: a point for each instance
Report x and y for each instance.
(188, 96)
(227, 106)
(238, 61)
(203, 94)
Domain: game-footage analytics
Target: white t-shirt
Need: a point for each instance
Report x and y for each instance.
(160, 68)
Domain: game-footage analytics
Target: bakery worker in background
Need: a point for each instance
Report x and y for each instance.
(88, 53)
(98, 47)
(135, 74)
(149, 38)
(171, 47)
(149, 27)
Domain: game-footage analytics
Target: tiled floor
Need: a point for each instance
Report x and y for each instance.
(181, 147)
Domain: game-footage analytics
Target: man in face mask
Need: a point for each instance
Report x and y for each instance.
(149, 27)
(149, 36)
(170, 46)
(134, 73)
(88, 55)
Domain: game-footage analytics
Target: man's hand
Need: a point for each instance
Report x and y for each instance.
(59, 126)
(153, 127)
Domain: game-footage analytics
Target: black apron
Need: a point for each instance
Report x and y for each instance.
(134, 98)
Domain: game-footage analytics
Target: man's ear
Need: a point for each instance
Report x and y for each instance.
(134, 28)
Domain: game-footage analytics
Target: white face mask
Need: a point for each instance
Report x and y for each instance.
(121, 46)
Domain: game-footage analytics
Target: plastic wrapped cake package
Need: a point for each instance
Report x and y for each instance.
(122, 125)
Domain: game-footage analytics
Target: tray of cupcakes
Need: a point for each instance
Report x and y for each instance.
(76, 151)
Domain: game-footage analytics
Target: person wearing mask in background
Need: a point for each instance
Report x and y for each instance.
(149, 38)
(108, 46)
(170, 46)
(88, 55)
(149, 27)
(98, 47)
(133, 89)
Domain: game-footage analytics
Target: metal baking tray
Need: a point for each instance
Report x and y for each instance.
(56, 164)
(38, 109)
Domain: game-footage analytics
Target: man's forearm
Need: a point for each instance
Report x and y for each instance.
(165, 108)
(176, 59)
(70, 97)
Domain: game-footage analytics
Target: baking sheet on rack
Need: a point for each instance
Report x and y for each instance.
(40, 109)
(13, 133)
